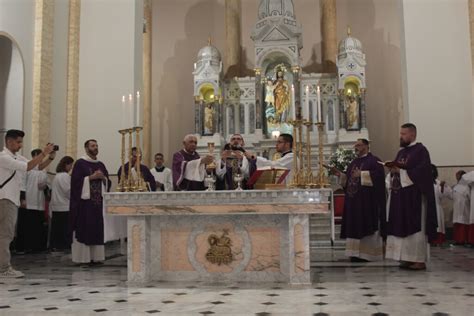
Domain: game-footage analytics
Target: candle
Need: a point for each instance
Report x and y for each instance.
(124, 113)
(130, 110)
(319, 105)
(293, 110)
(306, 104)
(138, 108)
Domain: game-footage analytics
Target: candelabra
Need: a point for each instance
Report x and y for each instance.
(129, 182)
(302, 172)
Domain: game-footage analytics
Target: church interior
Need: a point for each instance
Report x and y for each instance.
(144, 79)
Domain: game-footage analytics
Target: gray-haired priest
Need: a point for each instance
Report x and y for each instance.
(189, 169)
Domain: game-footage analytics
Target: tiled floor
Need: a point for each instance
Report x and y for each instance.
(54, 286)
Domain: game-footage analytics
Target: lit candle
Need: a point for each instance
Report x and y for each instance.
(124, 113)
(138, 108)
(293, 110)
(319, 105)
(130, 110)
(306, 104)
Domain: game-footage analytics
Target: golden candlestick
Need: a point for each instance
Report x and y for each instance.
(140, 182)
(131, 183)
(295, 181)
(309, 173)
(123, 181)
(321, 180)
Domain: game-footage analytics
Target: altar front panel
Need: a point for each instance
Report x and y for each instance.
(216, 237)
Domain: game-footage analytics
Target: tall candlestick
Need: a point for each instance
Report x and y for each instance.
(138, 108)
(319, 106)
(124, 113)
(130, 109)
(293, 110)
(306, 104)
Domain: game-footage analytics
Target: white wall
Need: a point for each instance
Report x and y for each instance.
(106, 72)
(11, 13)
(437, 77)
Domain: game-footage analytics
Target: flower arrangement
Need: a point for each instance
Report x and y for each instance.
(341, 158)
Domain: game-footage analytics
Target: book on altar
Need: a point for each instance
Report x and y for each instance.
(391, 164)
(268, 178)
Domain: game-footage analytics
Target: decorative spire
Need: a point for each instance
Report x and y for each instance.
(348, 30)
(209, 42)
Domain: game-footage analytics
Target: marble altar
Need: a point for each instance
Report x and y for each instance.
(220, 236)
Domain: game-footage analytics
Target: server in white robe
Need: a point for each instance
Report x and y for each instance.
(59, 206)
(469, 179)
(461, 209)
(162, 174)
(284, 147)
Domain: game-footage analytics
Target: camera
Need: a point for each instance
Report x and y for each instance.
(55, 147)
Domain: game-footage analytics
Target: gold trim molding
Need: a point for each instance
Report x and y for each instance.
(42, 72)
(73, 77)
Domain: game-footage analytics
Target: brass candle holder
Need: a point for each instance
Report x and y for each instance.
(123, 181)
(321, 178)
(309, 173)
(128, 182)
(296, 179)
(140, 182)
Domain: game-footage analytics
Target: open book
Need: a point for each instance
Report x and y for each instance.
(391, 164)
(268, 175)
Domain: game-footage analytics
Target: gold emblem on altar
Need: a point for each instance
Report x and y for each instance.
(220, 251)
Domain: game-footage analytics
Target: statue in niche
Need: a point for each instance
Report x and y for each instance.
(269, 97)
(209, 113)
(352, 112)
(281, 94)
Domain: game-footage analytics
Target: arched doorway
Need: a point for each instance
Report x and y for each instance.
(12, 77)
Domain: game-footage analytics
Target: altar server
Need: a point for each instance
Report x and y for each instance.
(163, 176)
(461, 209)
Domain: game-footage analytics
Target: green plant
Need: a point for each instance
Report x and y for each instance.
(341, 158)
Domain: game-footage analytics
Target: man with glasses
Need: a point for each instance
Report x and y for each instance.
(284, 147)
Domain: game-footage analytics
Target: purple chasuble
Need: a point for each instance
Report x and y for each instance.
(404, 217)
(180, 160)
(146, 174)
(86, 218)
(364, 206)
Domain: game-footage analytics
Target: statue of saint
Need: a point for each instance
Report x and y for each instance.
(269, 97)
(352, 113)
(209, 112)
(281, 94)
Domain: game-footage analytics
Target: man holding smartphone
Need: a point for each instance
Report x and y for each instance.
(12, 168)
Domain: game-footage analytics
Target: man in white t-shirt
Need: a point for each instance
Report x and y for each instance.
(163, 175)
(12, 168)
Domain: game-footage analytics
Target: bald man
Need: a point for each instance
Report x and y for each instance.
(189, 169)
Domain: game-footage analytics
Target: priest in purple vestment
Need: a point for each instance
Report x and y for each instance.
(364, 205)
(234, 160)
(89, 180)
(145, 172)
(189, 169)
(411, 207)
